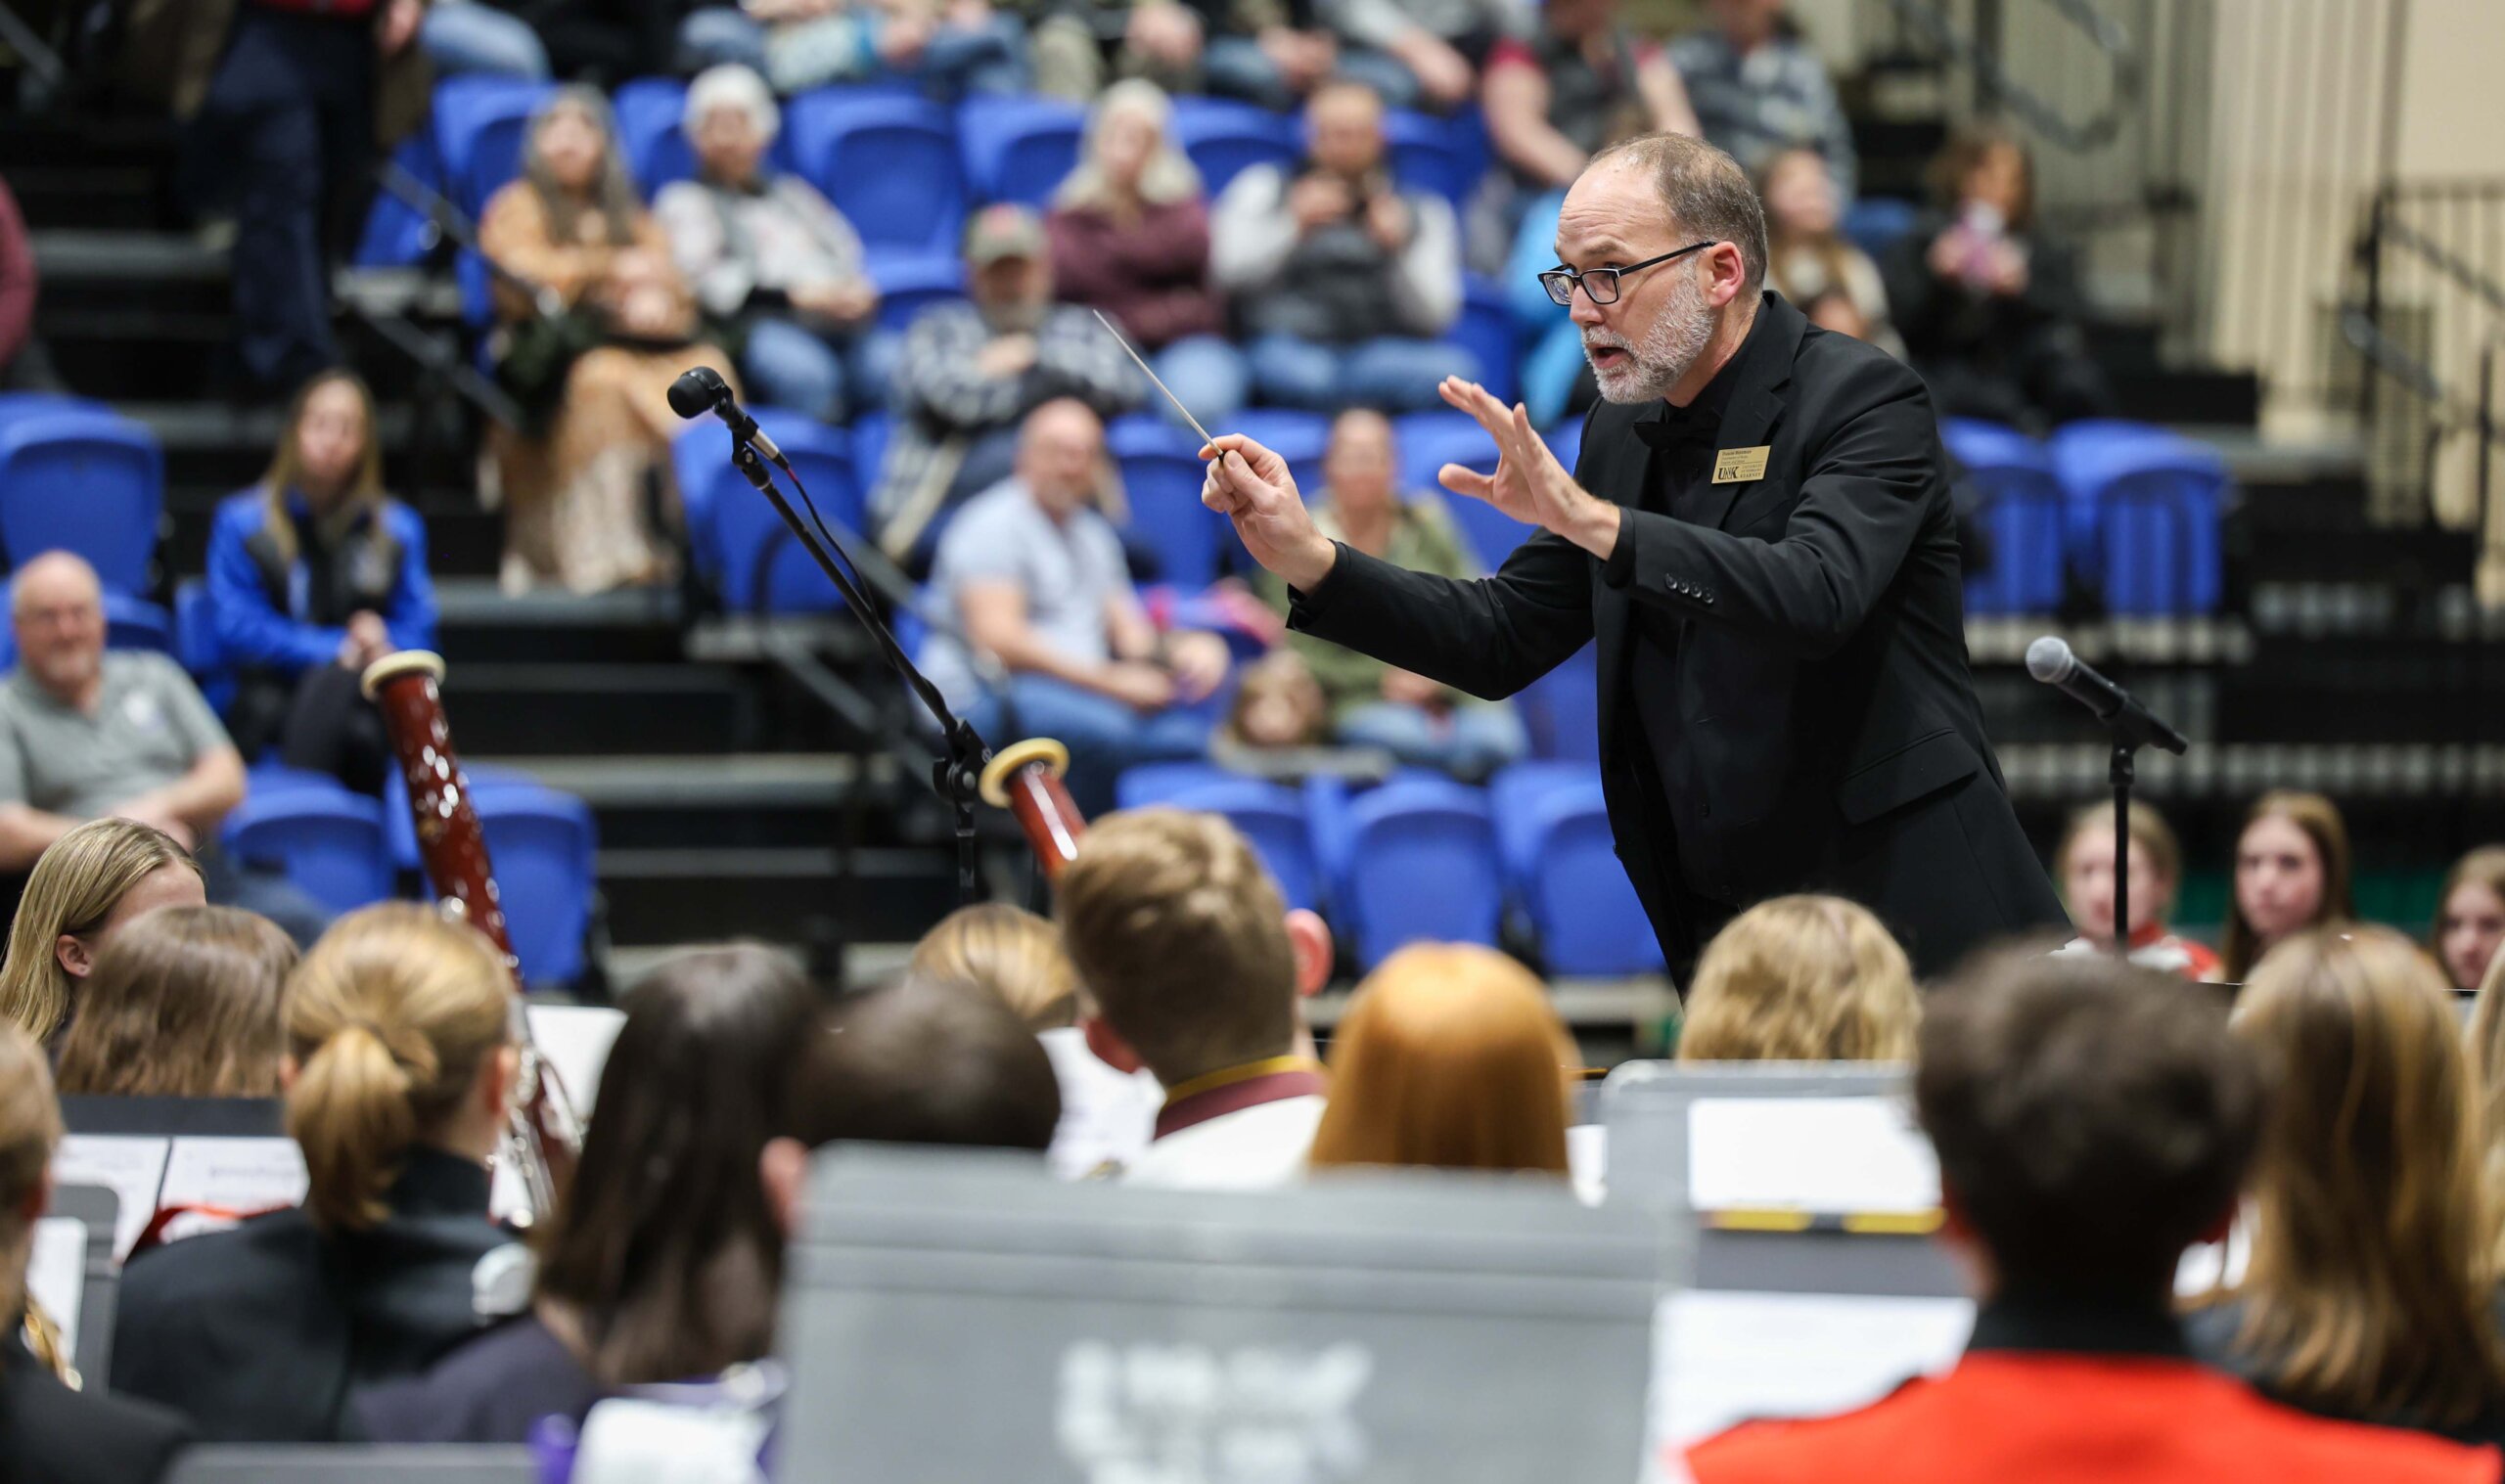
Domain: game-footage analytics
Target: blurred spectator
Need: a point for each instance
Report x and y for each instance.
(2092, 1122)
(1758, 89)
(2291, 873)
(948, 51)
(471, 36)
(1810, 262)
(2469, 917)
(189, 1003)
(91, 883)
(595, 369)
(1343, 278)
(1269, 52)
(969, 373)
(1802, 978)
(1990, 308)
(1194, 970)
(400, 1028)
(665, 1258)
(2369, 1293)
(1035, 578)
(312, 576)
(1130, 236)
(1278, 707)
(1418, 53)
(2083, 868)
(85, 734)
(1008, 951)
(777, 269)
(56, 1433)
(1449, 1058)
(24, 363)
(1421, 722)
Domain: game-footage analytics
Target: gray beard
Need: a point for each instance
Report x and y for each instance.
(1671, 346)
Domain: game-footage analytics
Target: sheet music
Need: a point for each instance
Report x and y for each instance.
(1831, 1156)
(1720, 1359)
(130, 1165)
(239, 1174)
(1107, 1117)
(1587, 1161)
(57, 1273)
(575, 1039)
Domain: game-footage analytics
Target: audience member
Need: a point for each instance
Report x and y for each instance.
(2370, 1290)
(971, 372)
(1758, 89)
(946, 51)
(1416, 53)
(95, 880)
(1008, 951)
(777, 269)
(1341, 278)
(85, 733)
(1449, 1058)
(1130, 236)
(24, 364)
(1035, 579)
(1278, 710)
(2083, 866)
(1808, 260)
(2092, 1122)
(1988, 306)
(1194, 968)
(1802, 978)
(663, 1260)
(2485, 1035)
(2291, 873)
(1269, 52)
(51, 1433)
(590, 348)
(189, 1003)
(2469, 917)
(312, 576)
(401, 1057)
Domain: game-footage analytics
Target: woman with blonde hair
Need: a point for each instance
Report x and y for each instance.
(1008, 951)
(187, 1004)
(87, 886)
(399, 1060)
(2084, 869)
(2291, 873)
(2469, 917)
(1450, 1057)
(2371, 1289)
(1802, 978)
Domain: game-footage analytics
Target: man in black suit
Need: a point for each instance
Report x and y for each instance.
(1758, 533)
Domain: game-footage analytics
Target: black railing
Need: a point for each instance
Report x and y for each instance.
(2425, 310)
(1976, 47)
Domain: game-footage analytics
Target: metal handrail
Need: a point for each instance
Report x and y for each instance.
(2109, 38)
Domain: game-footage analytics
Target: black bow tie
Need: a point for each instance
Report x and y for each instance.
(1681, 428)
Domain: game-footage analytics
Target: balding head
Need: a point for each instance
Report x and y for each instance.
(1061, 453)
(57, 606)
(1683, 223)
(1343, 120)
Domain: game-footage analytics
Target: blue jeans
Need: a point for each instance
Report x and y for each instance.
(1472, 742)
(1104, 735)
(1210, 377)
(788, 365)
(1392, 374)
(460, 36)
(719, 34)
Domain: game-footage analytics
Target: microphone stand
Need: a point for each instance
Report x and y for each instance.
(2122, 772)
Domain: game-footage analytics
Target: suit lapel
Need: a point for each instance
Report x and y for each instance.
(1756, 402)
(1630, 475)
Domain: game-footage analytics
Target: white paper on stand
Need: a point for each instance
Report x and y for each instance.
(243, 1176)
(1587, 1161)
(1829, 1155)
(1107, 1116)
(57, 1273)
(1724, 1358)
(575, 1040)
(130, 1165)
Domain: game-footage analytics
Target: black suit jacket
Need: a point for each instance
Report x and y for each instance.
(50, 1434)
(1829, 721)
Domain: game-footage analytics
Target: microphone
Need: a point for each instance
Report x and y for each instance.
(2050, 660)
(701, 389)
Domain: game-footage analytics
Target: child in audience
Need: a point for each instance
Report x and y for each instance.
(2469, 917)
(663, 1260)
(1802, 978)
(1278, 707)
(401, 1057)
(1809, 259)
(2291, 873)
(1450, 1057)
(188, 1002)
(2370, 1293)
(2085, 869)
(88, 886)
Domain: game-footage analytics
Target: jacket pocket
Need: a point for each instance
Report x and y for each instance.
(1920, 768)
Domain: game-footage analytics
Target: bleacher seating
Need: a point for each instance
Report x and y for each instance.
(657, 151)
(2151, 500)
(1443, 156)
(912, 281)
(545, 845)
(1223, 137)
(85, 481)
(1487, 329)
(1420, 863)
(327, 840)
(747, 549)
(479, 126)
(1562, 867)
(1161, 475)
(2022, 510)
(1299, 437)
(1272, 816)
(888, 161)
(1019, 149)
(1560, 710)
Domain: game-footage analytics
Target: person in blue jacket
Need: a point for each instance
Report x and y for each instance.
(314, 574)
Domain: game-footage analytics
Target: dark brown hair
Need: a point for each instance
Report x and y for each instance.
(1966, 148)
(923, 1060)
(189, 1002)
(2320, 818)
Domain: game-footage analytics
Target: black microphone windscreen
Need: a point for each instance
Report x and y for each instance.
(694, 394)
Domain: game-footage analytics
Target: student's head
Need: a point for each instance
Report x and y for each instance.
(2369, 1283)
(1986, 166)
(916, 1060)
(732, 120)
(29, 1128)
(1799, 195)
(665, 1247)
(1344, 122)
(2092, 1121)
(399, 1030)
(2291, 873)
(1278, 703)
(2469, 917)
(1802, 978)
(1361, 466)
(1060, 455)
(1009, 267)
(1191, 961)
(1647, 198)
(1451, 1057)
(1129, 155)
(57, 608)
(1008, 951)
(2084, 870)
(87, 886)
(187, 1003)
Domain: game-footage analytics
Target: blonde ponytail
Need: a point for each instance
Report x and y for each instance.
(388, 1018)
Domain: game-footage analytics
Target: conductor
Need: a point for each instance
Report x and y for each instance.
(1758, 533)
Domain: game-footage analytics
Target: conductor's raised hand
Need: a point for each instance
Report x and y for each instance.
(1250, 485)
(1528, 483)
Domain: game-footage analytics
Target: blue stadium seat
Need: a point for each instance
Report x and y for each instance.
(2156, 499)
(1223, 137)
(1270, 815)
(870, 432)
(648, 111)
(1562, 709)
(888, 162)
(912, 281)
(1162, 474)
(399, 826)
(83, 481)
(478, 124)
(760, 567)
(196, 646)
(2022, 512)
(328, 841)
(1486, 330)
(1153, 784)
(1562, 863)
(397, 235)
(1422, 865)
(1020, 148)
(19, 404)
(1299, 437)
(1443, 156)
(545, 846)
(1877, 223)
(1430, 440)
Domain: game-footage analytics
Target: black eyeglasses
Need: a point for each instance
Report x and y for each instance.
(1602, 283)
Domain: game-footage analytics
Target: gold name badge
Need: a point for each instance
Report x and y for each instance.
(1738, 466)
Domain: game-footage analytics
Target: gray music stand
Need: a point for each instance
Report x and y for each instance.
(99, 1208)
(290, 1463)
